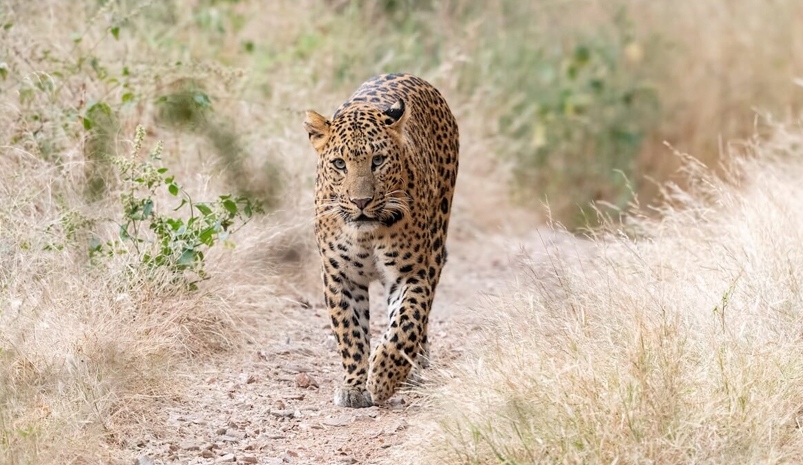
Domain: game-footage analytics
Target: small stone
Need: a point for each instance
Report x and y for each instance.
(235, 434)
(303, 380)
(220, 431)
(144, 460)
(291, 453)
(189, 445)
(347, 459)
(282, 413)
(396, 403)
(207, 454)
(226, 458)
(292, 368)
(249, 459)
(341, 420)
(401, 425)
(246, 378)
(208, 446)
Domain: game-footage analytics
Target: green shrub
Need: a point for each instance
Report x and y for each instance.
(177, 241)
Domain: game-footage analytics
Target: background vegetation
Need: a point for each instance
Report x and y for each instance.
(120, 256)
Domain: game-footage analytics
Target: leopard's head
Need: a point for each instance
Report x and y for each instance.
(361, 164)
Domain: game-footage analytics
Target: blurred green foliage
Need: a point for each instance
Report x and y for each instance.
(572, 105)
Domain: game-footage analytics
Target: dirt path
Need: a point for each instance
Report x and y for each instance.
(271, 402)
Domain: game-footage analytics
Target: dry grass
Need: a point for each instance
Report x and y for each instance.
(679, 342)
(90, 347)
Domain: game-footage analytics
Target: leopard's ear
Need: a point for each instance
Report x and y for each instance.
(396, 115)
(318, 128)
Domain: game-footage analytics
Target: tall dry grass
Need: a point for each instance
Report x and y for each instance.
(671, 340)
(92, 345)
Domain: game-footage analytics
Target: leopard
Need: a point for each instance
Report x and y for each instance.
(386, 172)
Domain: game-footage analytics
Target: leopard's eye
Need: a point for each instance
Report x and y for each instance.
(378, 160)
(339, 163)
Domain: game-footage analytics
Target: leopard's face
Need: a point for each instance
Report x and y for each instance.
(361, 167)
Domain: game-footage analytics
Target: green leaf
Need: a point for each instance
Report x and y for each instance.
(206, 237)
(3, 70)
(99, 106)
(7, 26)
(147, 209)
(203, 209)
(582, 55)
(115, 30)
(175, 223)
(202, 100)
(127, 97)
(126, 72)
(183, 202)
(187, 257)
(75, 37)
(173, 188)
(87, 123)
(230, 206)
(170, 179)
(124, 232)
(162, 170)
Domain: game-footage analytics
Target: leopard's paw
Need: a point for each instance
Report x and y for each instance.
(389, 369)
(352, 398)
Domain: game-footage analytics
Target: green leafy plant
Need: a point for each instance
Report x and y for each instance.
(177, 241)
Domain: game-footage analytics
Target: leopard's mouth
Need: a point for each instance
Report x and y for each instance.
(363, 218)
(385, 220)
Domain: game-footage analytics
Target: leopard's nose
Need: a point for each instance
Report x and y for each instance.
(360, 203)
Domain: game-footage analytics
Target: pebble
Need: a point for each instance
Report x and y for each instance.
(282, 413)
(303, 380)
(144, 460)
(235, 434)
(226, 458)
(189, 445)
(249, 459)
(207, 454)
(247, 378)
(341, 420)
(293, 368)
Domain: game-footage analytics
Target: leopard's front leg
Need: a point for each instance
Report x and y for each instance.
(391, 361)
(347, 302)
